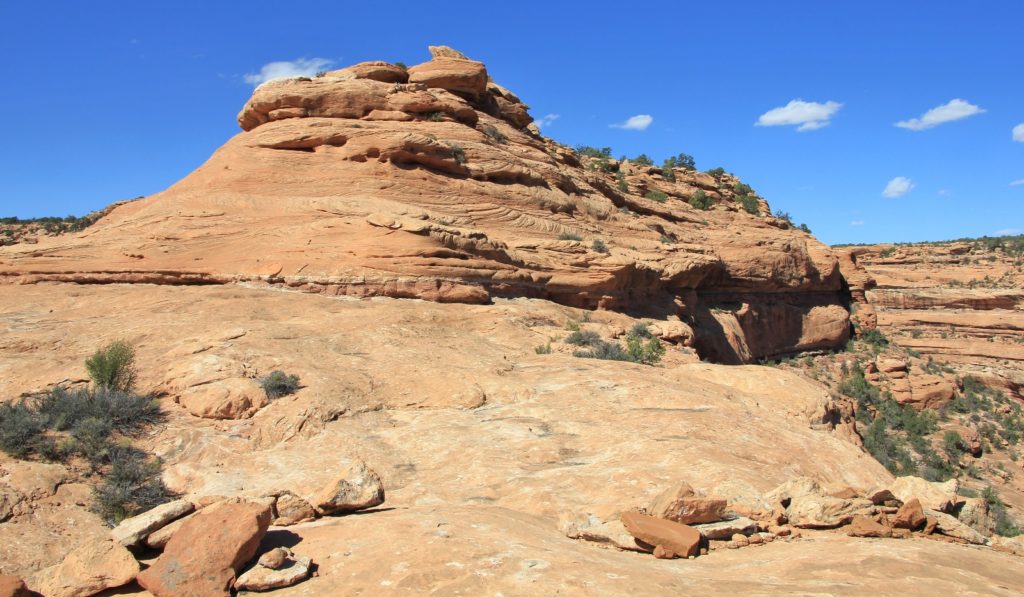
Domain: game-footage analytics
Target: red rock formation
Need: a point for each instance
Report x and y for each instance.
(358, 183)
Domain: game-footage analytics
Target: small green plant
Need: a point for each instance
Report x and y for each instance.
(458, 153)
(668, 174)
(608, 351)
(622, 185)
(401, 65)
(750, 204)
(21, 431)
(132, 485)
(804, 228)
(569, 236)
(593, 152)
(701, 200)
(1005, 526)
(492, 131)
(434, 116)
(542, 348)
(113, 366)
(716, 173)
(874, 338)
(277, 383)
(642, 160)
(320, 74)
(656, 196)
(583, 338)
(599, 246)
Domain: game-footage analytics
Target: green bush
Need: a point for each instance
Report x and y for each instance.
(543, 348)
(277, 383)
(125, 412)
(492, 131)
(716, 173)
(873, 338)
(646, 352)
(133, 485)
(569, 236)
(593, 152)
(701, 200)
(599, 246)
(458, 154)
(608, 351)
(623, 185)
(22, 431)
(583, 338)
(750, 204)
(684, 161)
(1005, 526)
(642, 160)
(668, 174)
(113, 366)
(656, 196)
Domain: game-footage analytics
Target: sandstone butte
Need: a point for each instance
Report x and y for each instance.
(429, 183)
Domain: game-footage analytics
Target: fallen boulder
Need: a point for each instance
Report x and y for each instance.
(951, 527)
(671, 537)
(289, 571)
(356, 488)
(680, 503)
(134, 530)
(291, 509)
(941, 497)
(722, 530)
(206, 553)
(88, 570)
(910, 515)
(808, 506)
(587, 527)
(864, 526)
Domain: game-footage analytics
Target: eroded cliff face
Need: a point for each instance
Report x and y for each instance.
(430, 182)
(958, 302)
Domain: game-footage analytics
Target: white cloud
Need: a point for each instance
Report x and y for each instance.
(857, 223)
(1017, 182)
(1018, 132)
(810, 116)
(898, 187)
(300, 67)
(635, 123)
(1008, 232)
(954, 110)
(546, 120)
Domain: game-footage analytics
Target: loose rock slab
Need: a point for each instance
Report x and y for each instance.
(261, 578)
(727, 528)
(90, 569)
(681, 504)
(356, 488)
(133, 530)
(203, 557)
(679, 539)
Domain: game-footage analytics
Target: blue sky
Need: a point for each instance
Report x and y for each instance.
(112, 100)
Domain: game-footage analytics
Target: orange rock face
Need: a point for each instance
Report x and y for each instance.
(357, 183)
(668, 538)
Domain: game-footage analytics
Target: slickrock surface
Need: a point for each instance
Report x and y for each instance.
(355, 184)
(493, 443)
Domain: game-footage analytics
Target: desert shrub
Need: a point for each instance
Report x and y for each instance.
(647, 352)
(599, 246)
(874, 338)
(742, 188)
(609, 351)
(750, 204)
(784, 216)
(656, 196)
(492, 131)
(716, 173)
(804, 228)
(640, 330)
(668, 174)
(1005, 526)
(21, 430)
(131, 486)
(569, 236)
(888, 449)
(583, 338)
(401, 65)
(622, 185)
(951, 443)
(277, 383)
(701, 200)
(542, 348)
(124, 412)
(642, 160)
(113, 366)
(433, 116)
(458, 153)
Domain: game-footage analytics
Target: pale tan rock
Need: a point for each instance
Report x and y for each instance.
(951, 527)
(158, 539)
(588, 527)
(810, 507)
(88, 570)
(375, 70)
(739, 540)
(132, 531)
(727, 528)
(292, 509)
(225, 399)
(260, 578)
(933, 496)
(357, 487)
(275, 558)
(975, 514)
